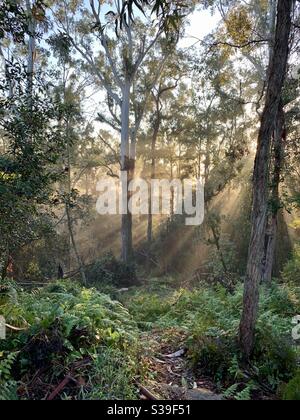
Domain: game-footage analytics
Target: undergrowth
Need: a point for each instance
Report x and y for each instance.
(78, 334)
(71, 332)
(209, 318)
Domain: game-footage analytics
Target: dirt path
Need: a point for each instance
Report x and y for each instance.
(169, 376)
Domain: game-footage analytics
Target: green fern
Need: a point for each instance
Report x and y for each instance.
(245, 394)
(6, 364)
(8, 387)
(231, 391)
(8, 391)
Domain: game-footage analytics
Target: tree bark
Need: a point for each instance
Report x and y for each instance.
(72, 240)
(271, 25)
(271, 238)
(72, 237)
(127, 166)
(276, 78)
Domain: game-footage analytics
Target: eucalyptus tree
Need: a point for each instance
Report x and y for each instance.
(249, 32)
(275, 83)
(116, 59)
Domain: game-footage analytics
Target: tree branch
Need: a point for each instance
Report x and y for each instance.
(240, 46)
(110, 171)
(110, 123)
(106, 143)
(90, 60)
(104, 43)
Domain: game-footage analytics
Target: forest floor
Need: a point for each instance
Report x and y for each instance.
(168, 374)
(155, 344)
(188, 344)
(169, 377)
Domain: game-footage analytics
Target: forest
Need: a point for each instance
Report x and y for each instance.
(149, 200)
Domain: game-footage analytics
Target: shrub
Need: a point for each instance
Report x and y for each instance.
(274, 359)
(147, 308)
(213, 356)
(283, 300)
(214, 349)
(210, 319)
(109, 271)
(291, 271)
(8, 387)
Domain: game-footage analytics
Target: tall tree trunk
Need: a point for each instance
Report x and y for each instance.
(212, 224)
(271, 238)
(271, 25)
(128, 167)
(153, 171)
(74, 245)
(276, 77)
(72, 240)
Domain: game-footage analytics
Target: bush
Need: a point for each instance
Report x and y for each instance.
(214, 356)
(70, 331)
(292, 390)
(109, 271)
(291, 271)
(210, 319)
(283, 300)
(274, 360)
(147, 308)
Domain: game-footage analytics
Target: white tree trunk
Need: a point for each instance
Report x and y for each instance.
(127, 166)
